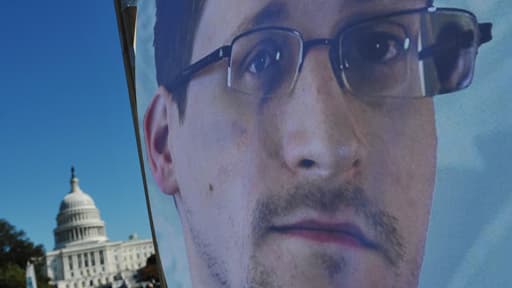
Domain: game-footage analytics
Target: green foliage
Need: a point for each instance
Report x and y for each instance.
(11, 276)
(15, 251)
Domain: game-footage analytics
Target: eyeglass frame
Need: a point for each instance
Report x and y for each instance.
(185, 76)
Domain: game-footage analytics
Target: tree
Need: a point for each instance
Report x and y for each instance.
(15, 251)
(11, 275)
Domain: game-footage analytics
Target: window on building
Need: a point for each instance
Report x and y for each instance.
(70, 261)
(79, 256)
(102, 261)
(93, 261)
(86, 260)
(91, 283)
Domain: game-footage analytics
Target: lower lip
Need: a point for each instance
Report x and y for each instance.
(325, 237)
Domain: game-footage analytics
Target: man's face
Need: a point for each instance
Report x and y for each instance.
(315, 188)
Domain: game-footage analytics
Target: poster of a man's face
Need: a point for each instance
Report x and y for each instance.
(295, 141)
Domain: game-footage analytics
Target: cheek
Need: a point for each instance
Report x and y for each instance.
(404, 140)
(214, 131)
(402, 168)
(211, 161)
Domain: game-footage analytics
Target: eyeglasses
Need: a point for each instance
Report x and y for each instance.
(409, 53)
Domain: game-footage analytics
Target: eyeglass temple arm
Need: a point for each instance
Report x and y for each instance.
(187, 73)
(463, 40)
(485, 32)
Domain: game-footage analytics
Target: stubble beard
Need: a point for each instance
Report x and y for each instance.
(313, 196)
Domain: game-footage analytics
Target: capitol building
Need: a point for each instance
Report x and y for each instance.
(83, 255)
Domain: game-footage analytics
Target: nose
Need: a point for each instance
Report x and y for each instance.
(322, 132)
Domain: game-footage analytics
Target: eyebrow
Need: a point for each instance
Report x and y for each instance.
(273, 12)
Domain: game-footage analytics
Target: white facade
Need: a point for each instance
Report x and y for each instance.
(83, 256)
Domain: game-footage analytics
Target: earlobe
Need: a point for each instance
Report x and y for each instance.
(156, 135)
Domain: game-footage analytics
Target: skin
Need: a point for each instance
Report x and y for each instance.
(238, 167)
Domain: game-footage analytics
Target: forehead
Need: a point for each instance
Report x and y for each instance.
(223, 19)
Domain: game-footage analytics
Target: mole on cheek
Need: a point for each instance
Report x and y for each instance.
(210, 187)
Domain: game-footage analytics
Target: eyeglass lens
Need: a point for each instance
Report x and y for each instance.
(265, 62)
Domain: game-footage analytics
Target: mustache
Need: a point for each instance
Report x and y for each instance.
(329, 200)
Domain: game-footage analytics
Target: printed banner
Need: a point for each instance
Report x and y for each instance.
(326, 143)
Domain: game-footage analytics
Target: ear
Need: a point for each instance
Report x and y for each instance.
(156, 134)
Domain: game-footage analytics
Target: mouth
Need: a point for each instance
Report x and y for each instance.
(344, 234)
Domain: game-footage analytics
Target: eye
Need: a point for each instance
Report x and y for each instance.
(262, 60)
(379, 47)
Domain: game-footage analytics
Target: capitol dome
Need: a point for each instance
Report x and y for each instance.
(76, 200)
(78, 220)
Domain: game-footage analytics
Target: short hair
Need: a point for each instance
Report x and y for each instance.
(174, 31)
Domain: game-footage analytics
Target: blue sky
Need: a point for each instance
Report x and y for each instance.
(64, 101)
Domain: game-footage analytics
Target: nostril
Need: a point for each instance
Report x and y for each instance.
(306, 163)
(356, 163)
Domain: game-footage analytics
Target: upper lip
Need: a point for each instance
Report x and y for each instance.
(346, 228)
